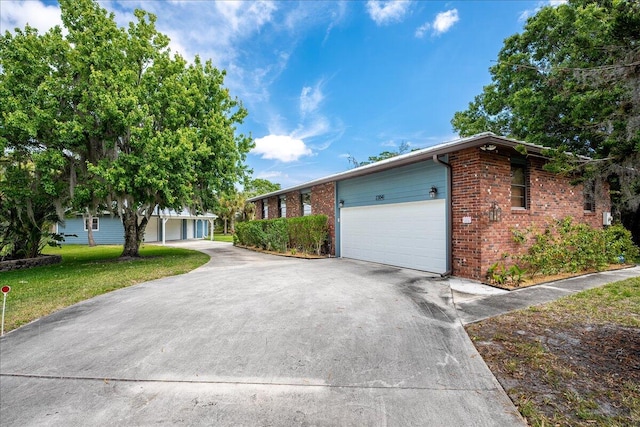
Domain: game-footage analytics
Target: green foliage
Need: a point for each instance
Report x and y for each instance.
(569, 81)
(567, 247)
(276, 234)
(135, 126)
(402, 149)
(500, 275)
(305, 234)
(620, 247)
(30, 187)
(251, 233)
(259, 186)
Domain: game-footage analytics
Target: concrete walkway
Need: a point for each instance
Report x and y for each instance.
(476, 302)
(253, 339)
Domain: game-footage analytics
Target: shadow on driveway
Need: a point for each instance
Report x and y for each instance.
(255, 339)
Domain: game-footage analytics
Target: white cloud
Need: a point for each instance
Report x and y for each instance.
(281, 147)
(310, 98)
(387, 12)
(422, 30)
(271, 175)
(530, 12)
(312, 129)
(445, 20)
(36, 14)
(246, 17)
(440, 25)
(337, 16)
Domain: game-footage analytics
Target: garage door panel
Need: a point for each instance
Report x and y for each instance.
(411, 235)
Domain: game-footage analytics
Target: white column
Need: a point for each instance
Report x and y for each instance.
(164, 230)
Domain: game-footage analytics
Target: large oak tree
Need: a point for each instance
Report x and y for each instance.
(140, 128)
(571, 81)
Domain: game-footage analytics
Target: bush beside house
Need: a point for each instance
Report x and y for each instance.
(563, 246)
(306, 234)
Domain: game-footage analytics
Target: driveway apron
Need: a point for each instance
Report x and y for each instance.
(254, 339)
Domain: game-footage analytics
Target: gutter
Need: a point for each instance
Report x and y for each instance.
(449, 215)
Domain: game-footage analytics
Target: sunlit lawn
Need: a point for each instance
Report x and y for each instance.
(219, 237)
(84, 273)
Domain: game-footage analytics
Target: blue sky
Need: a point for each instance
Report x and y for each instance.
(323, 80)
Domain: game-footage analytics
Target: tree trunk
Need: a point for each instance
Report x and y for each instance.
(133, 233)
(89, 220)
(225, 226)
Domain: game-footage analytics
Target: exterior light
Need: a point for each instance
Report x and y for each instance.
(495, 212)
(433, 192)
(341, 203)
(488, 147)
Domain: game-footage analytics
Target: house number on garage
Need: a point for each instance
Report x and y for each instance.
(380, 197)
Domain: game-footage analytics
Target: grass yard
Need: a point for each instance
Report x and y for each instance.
(219, 237)
(87, 272)
(573, 362)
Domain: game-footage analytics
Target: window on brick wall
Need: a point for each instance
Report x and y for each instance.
(518, 183)
(282, 206)
(265, 209)
(589, 196)
(305, 197)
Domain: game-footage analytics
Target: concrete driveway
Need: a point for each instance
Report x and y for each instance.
(253, 339)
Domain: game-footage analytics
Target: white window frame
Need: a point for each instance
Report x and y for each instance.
(95, 224)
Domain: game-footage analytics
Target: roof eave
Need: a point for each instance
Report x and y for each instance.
(413, 157)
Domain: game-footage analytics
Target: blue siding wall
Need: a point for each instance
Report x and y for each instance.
(404, 184)
(110, 232)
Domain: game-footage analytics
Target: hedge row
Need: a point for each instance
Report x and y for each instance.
(306, 234)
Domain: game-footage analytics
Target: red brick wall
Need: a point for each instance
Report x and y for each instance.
(465, 203)
(323, 202)
(273, 207)
(294, 204)
(479, 179)
(258, 204)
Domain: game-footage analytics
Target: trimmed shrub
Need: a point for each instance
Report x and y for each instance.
(305, 234)
(251, 234)
(276, 234)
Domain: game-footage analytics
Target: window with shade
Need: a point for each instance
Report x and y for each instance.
(589, 196)
(306, 203)
(282, 206)
(265, 209)
(518, 183)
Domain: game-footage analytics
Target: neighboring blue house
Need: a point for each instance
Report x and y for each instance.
(163, 225)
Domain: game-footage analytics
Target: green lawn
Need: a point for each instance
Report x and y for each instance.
(84, 273)
(572, 362)
(219, 237)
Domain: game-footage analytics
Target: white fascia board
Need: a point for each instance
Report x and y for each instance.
(414, 157)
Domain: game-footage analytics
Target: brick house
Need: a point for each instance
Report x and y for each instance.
(449, 209)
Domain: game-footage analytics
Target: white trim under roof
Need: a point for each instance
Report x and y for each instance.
(413, 157)
(167, 214)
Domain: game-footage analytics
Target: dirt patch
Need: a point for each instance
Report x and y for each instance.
(564, 373)
(290, 253)
(538, 280)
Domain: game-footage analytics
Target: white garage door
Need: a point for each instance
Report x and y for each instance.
(411, 235)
